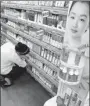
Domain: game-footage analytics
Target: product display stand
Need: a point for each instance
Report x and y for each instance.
(72, 89)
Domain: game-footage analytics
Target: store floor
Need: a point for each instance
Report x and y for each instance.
(25, 92)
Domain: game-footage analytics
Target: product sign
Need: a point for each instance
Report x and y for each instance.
(45, 13)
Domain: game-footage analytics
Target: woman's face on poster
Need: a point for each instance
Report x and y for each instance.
(78, 19)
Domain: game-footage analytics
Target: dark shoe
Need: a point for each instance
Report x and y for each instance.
(2, 81)
(8, 82)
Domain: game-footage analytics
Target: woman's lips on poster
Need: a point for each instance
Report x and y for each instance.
(74, 31)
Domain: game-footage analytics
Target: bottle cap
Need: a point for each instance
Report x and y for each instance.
(64, 70)
(76, 72)
(61, 67)
(71, 72)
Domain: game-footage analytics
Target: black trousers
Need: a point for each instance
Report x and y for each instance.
(14, 74)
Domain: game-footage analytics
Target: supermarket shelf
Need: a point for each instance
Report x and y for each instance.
(34, 65)
(37, 79)
(82, 88)
(30, 38)
(46, 28)
(53, 10)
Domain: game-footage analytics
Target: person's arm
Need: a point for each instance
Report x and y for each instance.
(17, 60)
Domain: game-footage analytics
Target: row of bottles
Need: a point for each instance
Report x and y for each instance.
(45, 67)
(57, 21)
(71, 67)
(71, 99)
(38, 18)
(52, 20)
(68, 97)
(37, 62)
(70, 74)
(49, 71)
(52, 57)
(47, 37)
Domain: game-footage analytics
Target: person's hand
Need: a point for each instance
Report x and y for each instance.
(27, 56)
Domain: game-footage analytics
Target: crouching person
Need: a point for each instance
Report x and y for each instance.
(12, 62)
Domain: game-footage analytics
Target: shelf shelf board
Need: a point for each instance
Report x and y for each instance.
(53, 10)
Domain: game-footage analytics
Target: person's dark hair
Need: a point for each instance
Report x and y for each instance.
(87, 2)
(22, 49)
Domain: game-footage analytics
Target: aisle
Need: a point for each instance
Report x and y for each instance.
(25, 92)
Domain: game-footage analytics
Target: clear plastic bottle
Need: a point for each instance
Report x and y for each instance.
(45, 53)
(76, 74)
(64, 71)
(50, 57)
(56, 60)
(70, 75)
(79, 102)
(61, 72)
(67, 96)
(73, 100)
(53, 58)
(42, 52)
(51, 40)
